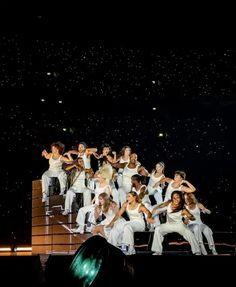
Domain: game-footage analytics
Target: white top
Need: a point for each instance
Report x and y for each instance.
(170, 189)
(145, 200)
(196, 212)
(134, 214)
(109, 216)
(152, 181)
(173, 217)
(120, 170)
(127, 174)
(55, 165)
(79, 181)
(99, 190)
(86, 159)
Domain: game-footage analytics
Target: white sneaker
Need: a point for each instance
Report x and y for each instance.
(156, 253)
(203, 249)
(131, 251)
(44, 198)
(214, 252)
(77, 230)
(65, 212)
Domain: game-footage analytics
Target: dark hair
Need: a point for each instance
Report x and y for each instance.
(181, 173)
(137, 177)
(60, 146)
(134, 193)
(122, 152)
(181, 203)
(83, 143)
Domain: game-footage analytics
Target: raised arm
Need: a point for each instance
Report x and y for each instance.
(90, 150)
(119, 165)
(166, 179)
(66, 160)
(189, 188)
(142, 171)
(68, 167)
(203, 208)
(161, 206)
(73, 151)
(46, 154)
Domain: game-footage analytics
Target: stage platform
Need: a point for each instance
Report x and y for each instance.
(52, 231)
(54, 246)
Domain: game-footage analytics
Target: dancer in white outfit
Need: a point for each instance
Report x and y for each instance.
(101, 186)
(144, 198)
(175, 214)
(141, 190)
(177, 184)
(123, 232)
(108, 208)
(130, 168)
(84, 152)
(77, 185)
(123, 157)
(106, 152)
(197, 226)
(55, 168)
(154, 186)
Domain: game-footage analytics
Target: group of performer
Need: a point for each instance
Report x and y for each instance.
(122, 185)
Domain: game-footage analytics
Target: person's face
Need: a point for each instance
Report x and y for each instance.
(101, 201)
(127, 151)
(81, 148)
(159, 168)
(54, 149)
(133, 158)
(187, 199)
(81, 162)
(178, 178)
(133, 181)
(176, 199)
(106, 150)
(130, 198)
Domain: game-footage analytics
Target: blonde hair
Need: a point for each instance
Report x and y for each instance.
(107, 201)
(106, 171)
(192, 197)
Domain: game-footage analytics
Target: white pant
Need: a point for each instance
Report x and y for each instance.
(180, 228)
(115, 195)
(119, 179)
(123, 232)
(71, 193)
(46, 179)
(158, 196)
(198, 229)
(80, 219)
(122, 195)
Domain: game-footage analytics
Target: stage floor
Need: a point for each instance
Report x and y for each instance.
(52, 231)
